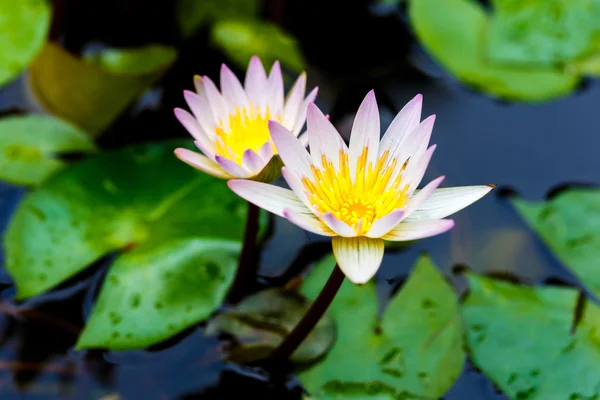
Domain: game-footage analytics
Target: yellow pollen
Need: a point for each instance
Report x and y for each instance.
(360, 202)
(247, 128)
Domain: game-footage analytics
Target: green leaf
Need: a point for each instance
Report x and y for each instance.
(24, 25)
(261, 321)
(192, 14)
(243, 39)
(415, 350)
(90, 96)
(541, 32)
(29, 146)
(141, 197)
(570, 225)
(520, 337)
(152, 293)
(453, 30)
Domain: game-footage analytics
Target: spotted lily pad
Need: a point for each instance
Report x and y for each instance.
(260, 322)
(521, 338)
(570, 225)
(416, 349)
(24, 26)
(29, 146)
(93, 93)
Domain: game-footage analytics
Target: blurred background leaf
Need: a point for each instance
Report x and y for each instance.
(24, 25)
(30, 146)
(135, 61)
(192, 14)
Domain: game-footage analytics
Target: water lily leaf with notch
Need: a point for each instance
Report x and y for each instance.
(416, 349)
(138, 196)
(242, 39)
(261, 321)
(92, 96)
(29, 146)
(23, 29)
(192, 14)
(570, 225)
(152, 293)
(520, 337)
(452, 31)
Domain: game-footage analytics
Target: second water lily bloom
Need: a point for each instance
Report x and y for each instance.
(364, 193)
(230, 126)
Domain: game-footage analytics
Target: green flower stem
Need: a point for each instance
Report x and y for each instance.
(247, 266)
(311, 318)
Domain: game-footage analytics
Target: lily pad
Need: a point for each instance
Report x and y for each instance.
(453, 31)
(520, 337)
(192, 14)
(570, 225)
(261, 321)
(138, 197)
(416, 349)
(152, 293)
(29, 146)
(240, 40)
(90, 95)
(23, 29)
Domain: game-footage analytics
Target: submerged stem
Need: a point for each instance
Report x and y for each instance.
(246, 270)
(311, 318)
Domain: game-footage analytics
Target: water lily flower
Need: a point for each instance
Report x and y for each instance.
(231, 126)
(364, 193)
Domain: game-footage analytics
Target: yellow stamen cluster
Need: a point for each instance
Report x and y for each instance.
(247, 129)
(362, 201)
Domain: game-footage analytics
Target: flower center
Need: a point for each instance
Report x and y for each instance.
(245, 129)
(374, 192)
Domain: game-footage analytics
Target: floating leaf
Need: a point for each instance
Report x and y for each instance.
(29, 146)
(139, 196)
(152, 293)
(570, 225)
(520, 337)
(192, 14)
(243, 39)
(24, 25)
(90, 96)
(415, 350)
(260, 322)
(452, 30)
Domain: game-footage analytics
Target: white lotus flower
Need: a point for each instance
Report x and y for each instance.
(364, 194)
(231, 126)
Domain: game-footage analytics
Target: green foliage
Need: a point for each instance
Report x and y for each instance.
(243, 39)
(520, 337)
(93, 93)
(261, 321)
(192, 14)
(570, 225)
(24, 25)
(416, 349)
(29, 146)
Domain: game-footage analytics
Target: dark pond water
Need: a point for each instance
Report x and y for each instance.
(531, 149)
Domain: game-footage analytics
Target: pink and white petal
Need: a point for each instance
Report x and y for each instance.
(200, 145)
(359, 257)
(414, 144)
(293, 101)
(202, 163)
(419, 230)
(303, 138)
(202, 112)
(446, 201)
(275, 85)
(385, 224)
(301, 116)
(323, 138)
(308, 222)
(291, 151)
(296, 185)
(416, 170)
(266, 151)
(193, 127)
(217, 103)
(253, 161)
(272, 198)
(405, 122)
(233, 168)
(199, 86)
(339, 227)
(256, 82)
(414, 202)
(365, 132)
(232, 89)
